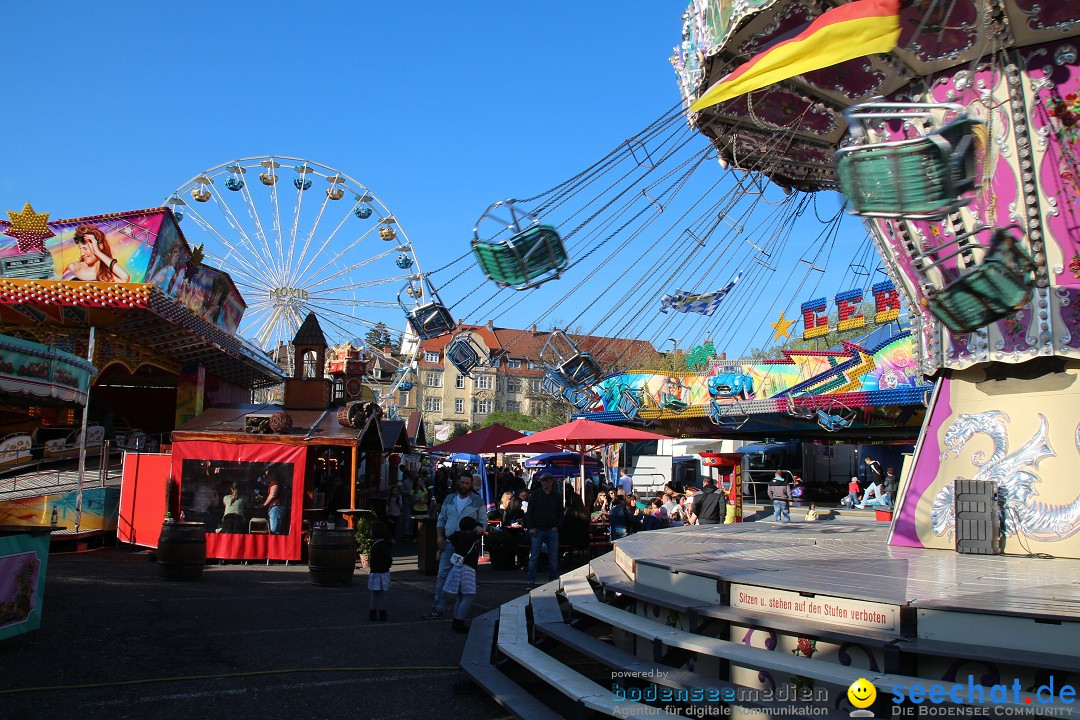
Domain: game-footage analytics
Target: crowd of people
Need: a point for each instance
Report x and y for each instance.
(547, 518)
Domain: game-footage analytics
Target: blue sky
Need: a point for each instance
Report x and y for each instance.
(440, 108)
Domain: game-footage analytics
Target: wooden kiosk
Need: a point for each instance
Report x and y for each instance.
(320, 457)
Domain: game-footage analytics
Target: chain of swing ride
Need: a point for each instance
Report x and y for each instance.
(636, 199)
(625, 208)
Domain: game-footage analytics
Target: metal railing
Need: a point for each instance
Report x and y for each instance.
(640, 487)
(41, 473)
(750, 484)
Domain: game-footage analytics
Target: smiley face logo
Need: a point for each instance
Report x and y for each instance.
(862, 693)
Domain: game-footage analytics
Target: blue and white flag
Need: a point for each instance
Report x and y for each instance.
(704, 304)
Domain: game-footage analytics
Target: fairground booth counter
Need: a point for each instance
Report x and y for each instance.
(319, 461)
(319, 466)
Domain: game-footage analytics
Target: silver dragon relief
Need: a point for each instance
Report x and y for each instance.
(1014, 476)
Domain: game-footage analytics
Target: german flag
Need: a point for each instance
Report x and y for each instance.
(852, 30)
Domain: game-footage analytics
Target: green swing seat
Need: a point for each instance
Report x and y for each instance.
(918, 178)
(997, 287)
(525, 260)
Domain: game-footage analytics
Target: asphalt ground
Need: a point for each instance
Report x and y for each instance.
(245, 641)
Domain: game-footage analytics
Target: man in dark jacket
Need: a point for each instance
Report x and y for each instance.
(711, 505)
(780, 494)
(543, 519)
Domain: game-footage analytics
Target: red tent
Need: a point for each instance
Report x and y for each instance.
(581, 435)
(486, 440)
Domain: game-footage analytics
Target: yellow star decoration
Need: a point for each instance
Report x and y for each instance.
(782, 327)
(29, 228)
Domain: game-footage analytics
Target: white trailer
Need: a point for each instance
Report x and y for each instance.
(675, 458)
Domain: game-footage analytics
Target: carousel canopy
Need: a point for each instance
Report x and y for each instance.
(40, 371)
(790, 129)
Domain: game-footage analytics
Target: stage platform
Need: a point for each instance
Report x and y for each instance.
(763, 618)
(851, 559)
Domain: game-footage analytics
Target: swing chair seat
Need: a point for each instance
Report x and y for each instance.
(999, 286)
(464, 354)
(800, 411)
(580, 399)
(525, 260)
(919, 178)
(431, 321)
(831, 422)
(580, 370)
(719, 416)
(552, 384)
(629, 405)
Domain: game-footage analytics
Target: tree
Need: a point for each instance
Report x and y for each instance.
(524, 423)
(458, 430)
(379, 337)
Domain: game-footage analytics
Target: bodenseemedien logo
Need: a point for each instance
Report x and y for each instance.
(862, 695)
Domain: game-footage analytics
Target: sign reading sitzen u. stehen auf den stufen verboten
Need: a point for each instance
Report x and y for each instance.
(841, 612)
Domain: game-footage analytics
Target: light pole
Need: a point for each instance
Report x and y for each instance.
(674, 349)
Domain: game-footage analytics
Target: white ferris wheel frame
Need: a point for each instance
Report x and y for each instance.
(281, 285)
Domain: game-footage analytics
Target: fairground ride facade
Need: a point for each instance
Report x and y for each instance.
(985, 253)
(133, 336)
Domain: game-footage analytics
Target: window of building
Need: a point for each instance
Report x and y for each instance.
(432, 357)
(459, 382)
(481, 407)
(403, 399)
(513, 385)
(513, 406)
(514, 364)
(433, 379)
(310, 365)
(433, 404)
(533, 365)
(534, 385)
(459, 406)
(483, 382)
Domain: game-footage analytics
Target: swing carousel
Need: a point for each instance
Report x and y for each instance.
(951, 129)
(955, 144)
(958, 149)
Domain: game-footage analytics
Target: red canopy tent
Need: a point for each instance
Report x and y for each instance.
(581, 435)
(486, 440)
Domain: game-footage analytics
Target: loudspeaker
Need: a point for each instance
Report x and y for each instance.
(978, 522)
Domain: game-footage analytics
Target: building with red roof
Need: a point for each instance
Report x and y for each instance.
(512, 382)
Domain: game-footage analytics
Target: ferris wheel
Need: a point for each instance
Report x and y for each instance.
(299, 237)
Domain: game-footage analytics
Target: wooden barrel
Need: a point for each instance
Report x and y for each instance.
(348, 415)
(332, 556)
(181, 551)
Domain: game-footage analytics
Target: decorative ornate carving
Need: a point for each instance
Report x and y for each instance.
(1024, 514)
(1043, 15)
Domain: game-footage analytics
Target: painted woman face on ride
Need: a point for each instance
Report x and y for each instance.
(86, 249)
